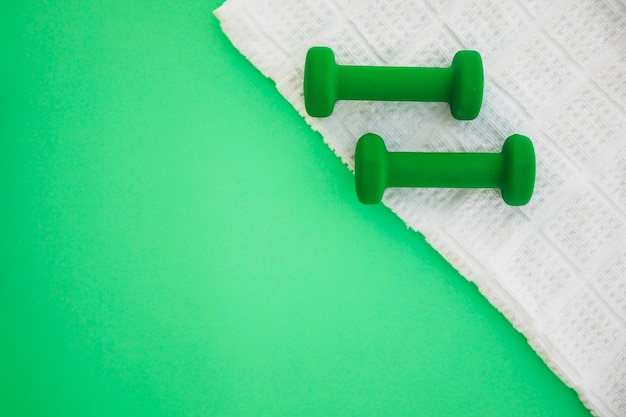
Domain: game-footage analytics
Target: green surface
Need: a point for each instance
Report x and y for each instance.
(512, 170)
(176, 241)
(325, 82)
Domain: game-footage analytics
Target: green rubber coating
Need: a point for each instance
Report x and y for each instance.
(512, 170)
(320, 82)
(518, 177)
(467, 87)
(325, 82)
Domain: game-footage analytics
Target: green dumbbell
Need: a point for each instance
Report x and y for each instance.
(512, 170)
(325, 82)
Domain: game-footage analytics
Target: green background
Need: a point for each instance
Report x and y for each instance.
(175, 240)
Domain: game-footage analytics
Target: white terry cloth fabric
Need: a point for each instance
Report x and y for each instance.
(555, 71)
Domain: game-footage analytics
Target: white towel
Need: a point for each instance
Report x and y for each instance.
(554, 71)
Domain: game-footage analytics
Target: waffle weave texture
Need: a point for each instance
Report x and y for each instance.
(554, 71)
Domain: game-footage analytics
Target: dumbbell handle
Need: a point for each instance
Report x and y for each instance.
(441, 170)
(394, 83)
